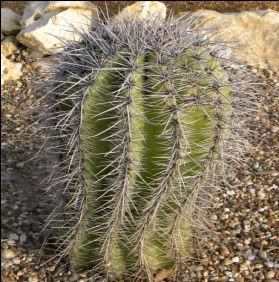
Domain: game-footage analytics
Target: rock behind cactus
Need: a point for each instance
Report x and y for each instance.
(152, 125)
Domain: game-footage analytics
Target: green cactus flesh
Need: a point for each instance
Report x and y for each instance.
(149, 133)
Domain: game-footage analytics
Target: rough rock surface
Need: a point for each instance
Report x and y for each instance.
(9, 22)
(257, 34)
(45, 24)
(144, 9)
(36, 9)
(32, 12)
(58, 5)
(9, 70)
(9, 46)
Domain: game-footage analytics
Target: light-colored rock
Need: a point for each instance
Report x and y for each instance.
(7, 264)
(37, 9)
(9, 22)
(33, 279)
(269, 264)
(270, 275)
(2, 36)
(235, 259)
(16, 260)
(8, 254)
(3, 68)
(9, 46)
(13, 236)
(33, 54)
(51, 268)
(143, 10)
(63, 5)
(261, 195)
(256, 34)
(9, 70)
(227, 262)
(23, 238)
(51, 24)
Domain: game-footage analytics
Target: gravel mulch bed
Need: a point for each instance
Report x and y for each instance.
(245, 247)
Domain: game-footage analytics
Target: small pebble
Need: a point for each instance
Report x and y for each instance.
(270, 275)
(11, 242)
(13, 236)
(22, 238)
(261, 195)
(251, 257)
(227, 261)
(51, 268)
(258, 266)
(9, 253)
(33, 279)
(16, 260)
(235, 259)
(7, 264)
(269, 264)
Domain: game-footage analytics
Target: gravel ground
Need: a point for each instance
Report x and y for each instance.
(244, 248)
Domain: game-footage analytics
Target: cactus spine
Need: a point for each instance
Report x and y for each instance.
(147, 133)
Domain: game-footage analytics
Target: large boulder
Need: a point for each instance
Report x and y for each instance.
(9, 70)
(46, 25)
(144, 9)
(9, 22)
(254, 34)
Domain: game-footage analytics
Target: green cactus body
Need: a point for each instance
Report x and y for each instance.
(109, 172)
(184, 137)
(153, 106)
(140, 174)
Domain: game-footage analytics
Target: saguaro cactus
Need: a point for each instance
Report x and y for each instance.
(147, 118)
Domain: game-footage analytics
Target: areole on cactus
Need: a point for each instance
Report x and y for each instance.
(147, 117)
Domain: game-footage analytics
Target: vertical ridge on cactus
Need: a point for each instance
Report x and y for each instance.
(111, 144)
(148, 118)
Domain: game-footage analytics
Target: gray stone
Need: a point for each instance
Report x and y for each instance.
(13, 236)
(10, 22)
(22, 238)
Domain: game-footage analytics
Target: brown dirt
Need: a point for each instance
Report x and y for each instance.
(176, 6)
